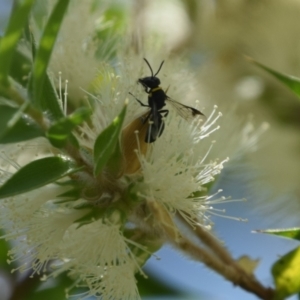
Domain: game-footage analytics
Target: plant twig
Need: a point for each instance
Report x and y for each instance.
(217, 258)
(236, 275)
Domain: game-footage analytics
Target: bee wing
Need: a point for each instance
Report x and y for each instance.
(130, 140)
(187, 112)
(140, 125)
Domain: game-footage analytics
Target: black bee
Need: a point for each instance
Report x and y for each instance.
(157, 99)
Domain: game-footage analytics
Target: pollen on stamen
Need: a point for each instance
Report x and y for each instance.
(206, 125)
(205, 129)
(136, 132)
(44, 277)
(208, 227)
(209, 133)
(66, 98)
(221, 200)
(251, 135)
(212, 113)
(60, 87)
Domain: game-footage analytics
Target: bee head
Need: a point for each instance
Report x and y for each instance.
(151, 81)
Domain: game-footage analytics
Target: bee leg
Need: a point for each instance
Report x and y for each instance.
(139, 101)
(151, 134)
(161, 128)
(165, 112)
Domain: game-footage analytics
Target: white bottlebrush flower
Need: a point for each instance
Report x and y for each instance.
(180, 152)
(114, 238)
(114, 282)
(88, 20)
(100, 255)
(102, 228)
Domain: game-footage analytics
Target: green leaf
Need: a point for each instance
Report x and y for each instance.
(70, 195)
(291, 233)
(114, 164)
(16, 126)
(44, 53)
(12, 35)
(90, 215)
(152, 286)
(36, 174)
(286, 274)
(107, 141)
(292, 82)
(59, 132)
(50, 102)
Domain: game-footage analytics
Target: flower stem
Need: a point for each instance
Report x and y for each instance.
(217, 258)
(213, 244)
(231, 272)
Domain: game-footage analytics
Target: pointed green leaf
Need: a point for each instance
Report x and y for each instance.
(291, 233)
(44, 53)
(114, 164)
(292, 82)
(70, 195)
(20, 70)
(50, 103)
(59, 132)
(16, 126)
(286, 273)
(13, 32)
(36, 174)
(90, 216)
(107, 141)
(153, 286)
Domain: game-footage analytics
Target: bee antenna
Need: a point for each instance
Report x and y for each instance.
(149, 66)
(159, 68)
